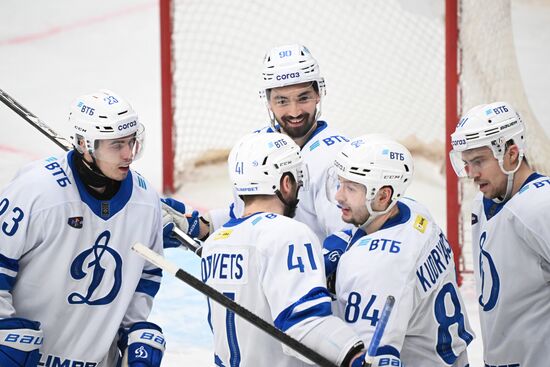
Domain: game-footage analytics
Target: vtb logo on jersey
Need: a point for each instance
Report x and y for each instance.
(99, 264)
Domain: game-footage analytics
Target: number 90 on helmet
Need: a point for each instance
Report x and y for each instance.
(258, 161)
(104, 115)
(289, 65)
(375, 161)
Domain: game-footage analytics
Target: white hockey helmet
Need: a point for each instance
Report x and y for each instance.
(375, 161)
(258, 161)
(289, 65)
(491, 125)
(104, 115)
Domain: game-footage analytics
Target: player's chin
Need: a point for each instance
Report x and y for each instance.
(346, 216)
(120, 174)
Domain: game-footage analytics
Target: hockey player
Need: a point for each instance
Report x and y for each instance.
(71, 288)
(271, 265)
(293, 89)
(510, 235)
(397, 249)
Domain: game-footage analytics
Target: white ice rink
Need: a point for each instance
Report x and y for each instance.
(52, 51)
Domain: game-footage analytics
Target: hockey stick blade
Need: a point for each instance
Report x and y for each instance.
(379, 331)
(34, 121)
(210, 292)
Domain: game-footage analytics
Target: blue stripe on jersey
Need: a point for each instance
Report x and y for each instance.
(8, 263)
(321, 125)
(114, 205)
(491, 208)
(232, 211)
(314, 145)
(387, 349)
(231, 332)
(141, 182)
(209, 317)
(236, 221)
(155, 271)
(403, 216)
(149, 287)
(288, 318)
(358, 234)
(6, 282)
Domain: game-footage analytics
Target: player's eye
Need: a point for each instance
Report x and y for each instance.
(282, 102)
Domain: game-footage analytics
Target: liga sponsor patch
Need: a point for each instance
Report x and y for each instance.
(222, 235)
(420, 223)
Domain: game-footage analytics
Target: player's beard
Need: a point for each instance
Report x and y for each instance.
(290, 204)
(290, 208)
(296, 132)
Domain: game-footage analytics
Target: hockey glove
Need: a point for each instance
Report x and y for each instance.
(145, 344)
(20, 340)
(174, 213)
(385, 360)
(333, 247)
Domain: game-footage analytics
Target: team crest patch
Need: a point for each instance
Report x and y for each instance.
(75, 222)
(221, 235)
(420, 223)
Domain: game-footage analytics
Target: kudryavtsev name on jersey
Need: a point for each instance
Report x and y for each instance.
(410, 259)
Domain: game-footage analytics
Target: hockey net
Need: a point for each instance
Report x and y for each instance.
(383, 62)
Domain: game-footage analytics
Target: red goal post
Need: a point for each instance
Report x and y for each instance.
(401, 67)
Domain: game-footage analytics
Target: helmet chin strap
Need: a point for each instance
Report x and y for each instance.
(509, 180)
(89, 172)
(375, 214)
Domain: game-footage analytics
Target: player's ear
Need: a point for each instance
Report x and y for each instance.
(385, 195)
(513, 152)
(285, 183)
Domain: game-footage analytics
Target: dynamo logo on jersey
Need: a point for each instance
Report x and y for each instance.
(97, 265)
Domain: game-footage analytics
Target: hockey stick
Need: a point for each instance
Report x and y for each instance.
(379, 331)
(255, 320)
(187, 241)
(60, 141)
(34, 121)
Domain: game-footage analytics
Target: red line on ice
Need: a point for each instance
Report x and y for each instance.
(26, 38)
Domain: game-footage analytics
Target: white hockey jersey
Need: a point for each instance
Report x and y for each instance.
(410, 259)
(511, 249)
(66, 260)
(314, 208)
(271, 265)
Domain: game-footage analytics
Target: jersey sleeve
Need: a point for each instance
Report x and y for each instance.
(149, 284)
(20, 232)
